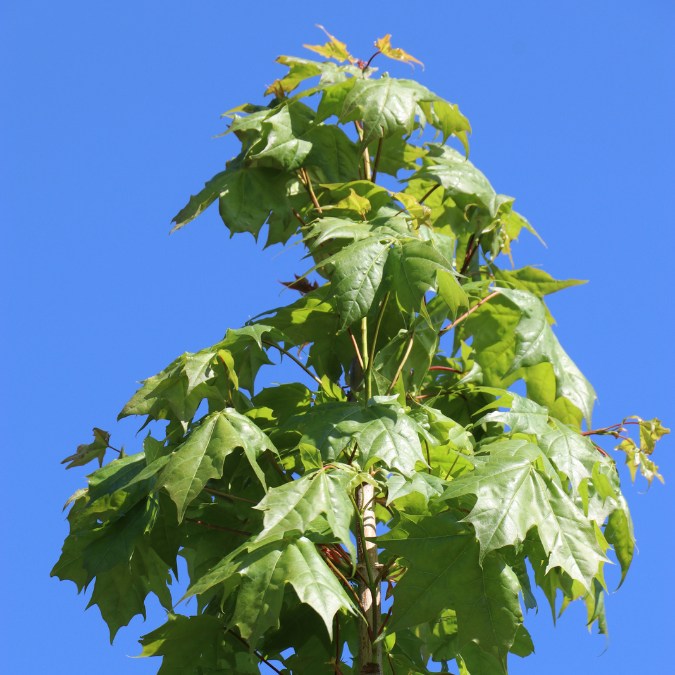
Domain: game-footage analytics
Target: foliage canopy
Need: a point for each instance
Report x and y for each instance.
(403, 462)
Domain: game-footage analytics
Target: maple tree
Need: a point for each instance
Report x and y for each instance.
(377, 513)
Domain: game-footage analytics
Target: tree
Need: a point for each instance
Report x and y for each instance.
(437, 439)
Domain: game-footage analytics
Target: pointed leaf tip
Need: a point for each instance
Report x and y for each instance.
(383, 45)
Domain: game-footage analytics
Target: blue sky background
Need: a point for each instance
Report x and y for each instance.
(108, 115)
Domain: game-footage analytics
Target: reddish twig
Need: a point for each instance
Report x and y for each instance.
(459, 319)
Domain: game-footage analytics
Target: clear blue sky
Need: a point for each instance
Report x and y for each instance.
(108, 113)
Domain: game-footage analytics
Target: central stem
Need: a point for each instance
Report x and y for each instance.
(370, 655)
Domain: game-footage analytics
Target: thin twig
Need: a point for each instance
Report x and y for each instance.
(346, 584)
(366, 361)
(368, 62)
(293, 358)
(446, 369)
(337, 669)
(307, 182)
(421, 201)
(359, 358)
(277, 468)
(220, 528)
(471, 249)
(400, 365)
(373, 345)
(296, 213)
(429, 192)
(255, 651)
(366, 155)
(225, 495)
(376, 163)
(468, 313)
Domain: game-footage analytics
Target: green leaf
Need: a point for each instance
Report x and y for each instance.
(524, 415)
(195, 645)
(638, 457)
(298, 71)
(619, 533)
(460, 179)
(114, 542)
(573, 454)
(333, 157)
(380, 432)
(444, 572)
(247, 196)
(396, 154)
(425, 484)
(383, 45)
(388, 107)
(356, 277)
(132, 474)
(411, 271)
(291, 508)
(118, 598)
(87, 452)
(202, 200)
(513, 496)
(537, 343)
(534, 280)
(261, 576)
(511, 336)
(281, 144)
(201, 457)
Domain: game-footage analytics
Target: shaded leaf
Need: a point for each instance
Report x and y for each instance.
(444, 572)
(201, 457)
(259, 577)
(619, 533)
(87, 452)
(537, 343)
(194, 645)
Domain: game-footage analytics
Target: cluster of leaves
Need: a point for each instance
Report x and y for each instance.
(406, 355)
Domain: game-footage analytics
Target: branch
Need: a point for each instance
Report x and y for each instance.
(366, 361)
(376, 163)
(307, 182)
(471, 249)
(220, 528)
(446, 369)
(429, 192)
(400, 365)
(336, 631)
(458, 320)
(225, 495)
(378, 323)
(359, 358)
(293, 358)
(261, 658)
(297, 215)
(367, 174)
(369, 61)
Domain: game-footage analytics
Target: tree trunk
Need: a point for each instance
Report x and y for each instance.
(370, 655)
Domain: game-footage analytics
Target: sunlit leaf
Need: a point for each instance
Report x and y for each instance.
(513, 496)
(383, 45)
